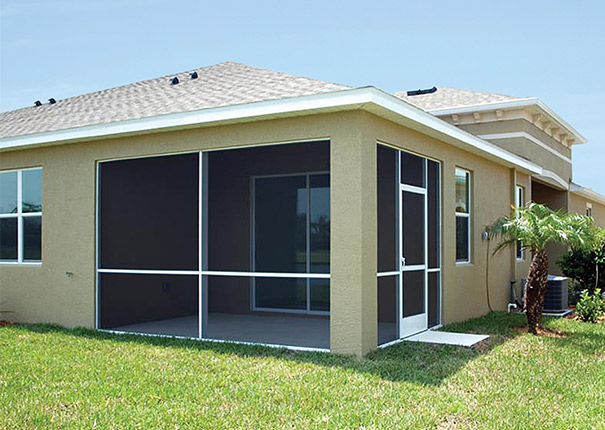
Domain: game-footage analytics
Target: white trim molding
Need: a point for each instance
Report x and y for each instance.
(541, 115)
(553, 179)
(526, 136)
(370, 99)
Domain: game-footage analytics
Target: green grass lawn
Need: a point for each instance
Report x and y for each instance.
(59, 378)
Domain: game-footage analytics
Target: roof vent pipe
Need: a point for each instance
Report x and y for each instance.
(37, 103)
(52, 101)
(421, 92)
(193, 75)
(174, 81)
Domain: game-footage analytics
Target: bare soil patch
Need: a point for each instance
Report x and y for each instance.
(541, 332)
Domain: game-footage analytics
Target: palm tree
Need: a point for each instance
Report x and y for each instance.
(534, 226)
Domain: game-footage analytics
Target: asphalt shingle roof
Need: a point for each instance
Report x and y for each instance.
(222, 84)
(451, 97)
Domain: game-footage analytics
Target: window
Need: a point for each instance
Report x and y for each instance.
(21, 216)
(520, 202)
(463, 216)
(588, 209)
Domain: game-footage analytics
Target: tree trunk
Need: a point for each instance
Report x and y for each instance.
(536, 290)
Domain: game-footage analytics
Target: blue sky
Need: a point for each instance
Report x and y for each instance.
(548, 49)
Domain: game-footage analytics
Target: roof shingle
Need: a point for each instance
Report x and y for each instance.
(222, 84)
(451, 97)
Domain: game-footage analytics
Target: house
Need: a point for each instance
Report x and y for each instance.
(235, 203)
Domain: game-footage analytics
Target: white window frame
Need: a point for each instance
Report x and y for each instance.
(308, 275)
(19, 215)
(520, 202)
(466, 215)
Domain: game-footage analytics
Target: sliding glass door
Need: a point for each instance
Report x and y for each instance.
(291, 234)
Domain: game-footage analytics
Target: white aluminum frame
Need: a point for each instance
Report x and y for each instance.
(409, 326)
(202, 249)
(308, 275)
(19, 215)
(467, 215)
(399, 188)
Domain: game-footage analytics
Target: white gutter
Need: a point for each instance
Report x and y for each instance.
(367, 98)
(521, 103)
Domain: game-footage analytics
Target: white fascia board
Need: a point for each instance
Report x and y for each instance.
(199, 117)
(513, 104)
(366, 98)
(427, 120)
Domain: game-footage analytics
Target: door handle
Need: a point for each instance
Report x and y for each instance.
(402, 261)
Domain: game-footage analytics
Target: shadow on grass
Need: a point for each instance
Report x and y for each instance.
(408, 361)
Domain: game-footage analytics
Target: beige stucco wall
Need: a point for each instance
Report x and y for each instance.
(554, 199)
(46, 294)
(521, 267)
(577, 204)
(526, 148)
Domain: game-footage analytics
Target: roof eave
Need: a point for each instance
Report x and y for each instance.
(514, 104)
(587, 193)
(367, 98)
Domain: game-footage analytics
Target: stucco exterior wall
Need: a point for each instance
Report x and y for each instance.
(46, 294)
(525, 148)
(577, 204)
(521, 266)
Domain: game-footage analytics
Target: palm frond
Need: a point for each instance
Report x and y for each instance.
(536, 225)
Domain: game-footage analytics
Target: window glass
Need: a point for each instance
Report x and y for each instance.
(32, 238)
(8, 192)
(8, 239)
(281, 224)
(520, 202)
(32, 190)
(520, 197)
(462, 191)
(319, 230)
(462, 239)
(20, 235)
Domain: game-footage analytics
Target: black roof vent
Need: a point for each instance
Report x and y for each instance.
(37, 103)
(174, 81)
(421, 92)
(193, 75)
(52, 101)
